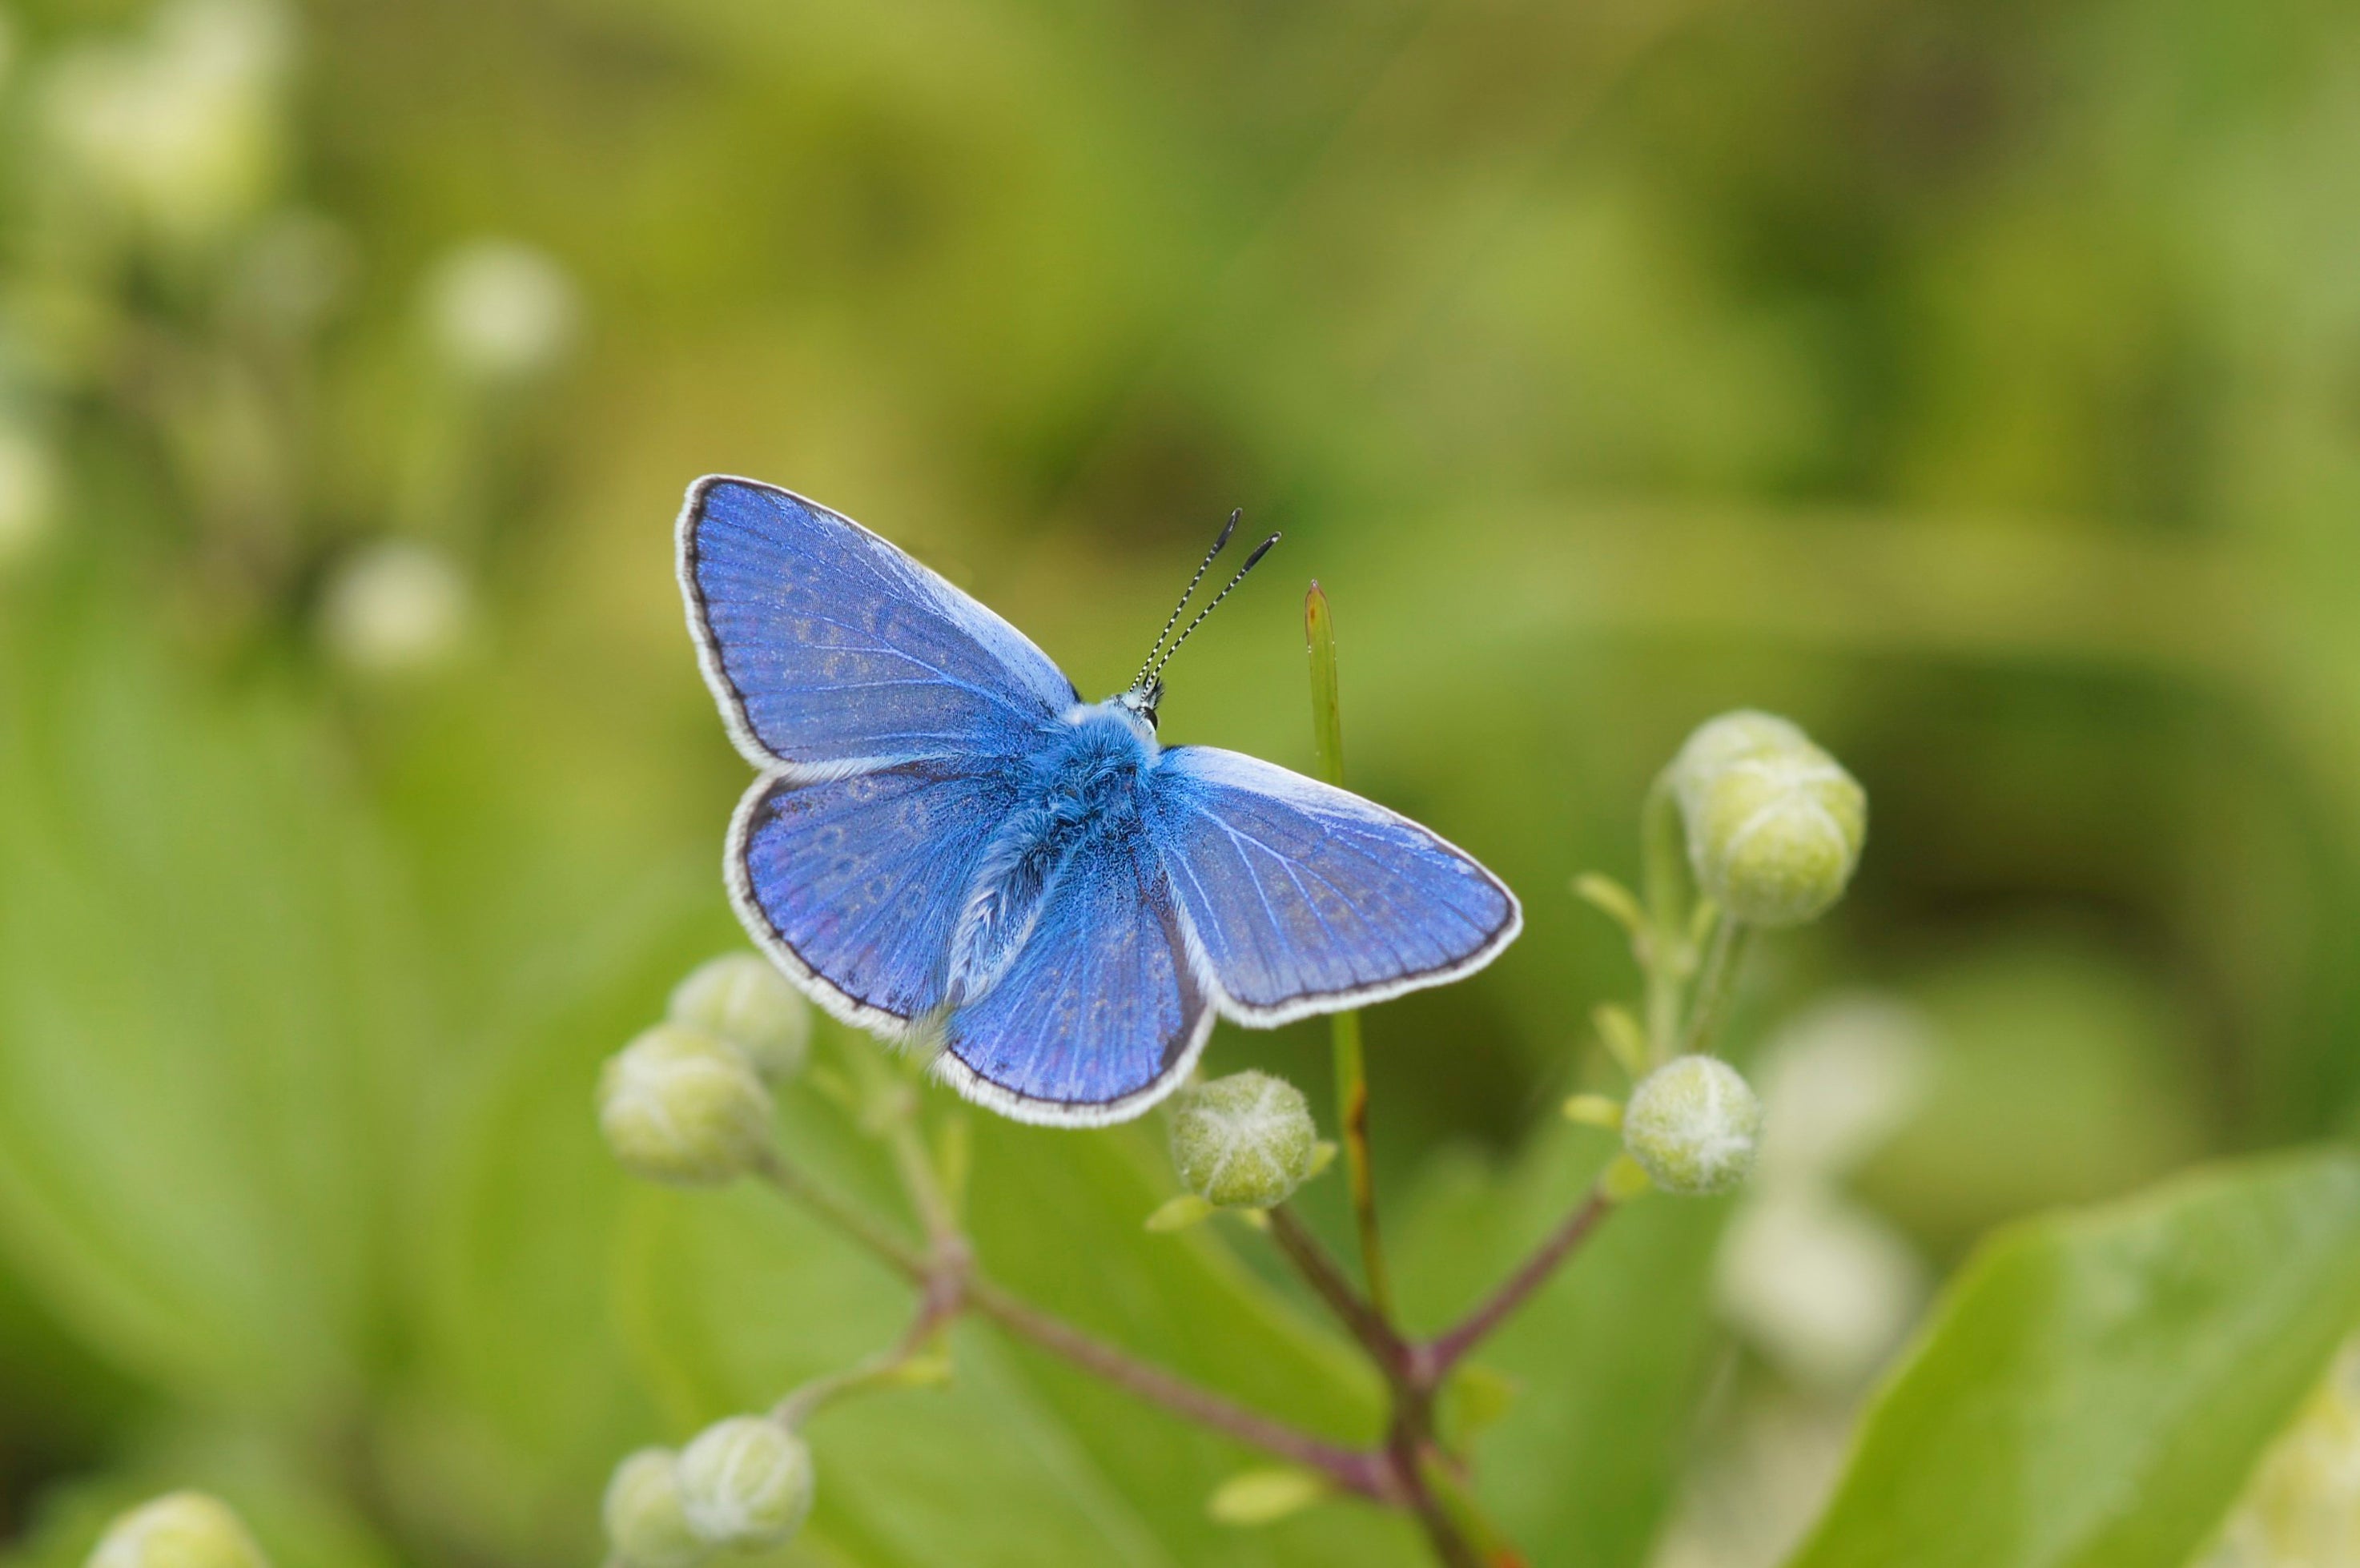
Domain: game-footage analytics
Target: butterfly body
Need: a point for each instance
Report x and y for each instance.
(1084, 787)
(948, 846)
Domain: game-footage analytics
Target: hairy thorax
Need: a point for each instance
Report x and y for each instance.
(1079, 793)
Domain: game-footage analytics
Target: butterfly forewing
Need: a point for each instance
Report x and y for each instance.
(831, 650)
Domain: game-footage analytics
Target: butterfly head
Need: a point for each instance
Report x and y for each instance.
(1141, 703)
(1146, 692)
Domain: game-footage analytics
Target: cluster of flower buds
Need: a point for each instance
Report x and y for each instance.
(1245, 1141)
(183, 1529)
(1774, 824)
(688, 1102)
(744, 1484)
(1774, 827)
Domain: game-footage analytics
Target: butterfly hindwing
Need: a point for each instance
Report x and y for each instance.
(1100, 1015)
(854, 884)
(831, 651)
(1302, 897)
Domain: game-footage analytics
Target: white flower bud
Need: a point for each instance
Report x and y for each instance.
(678, 1106)
(1244, 1141)
(1774, 824)
(398, 607)
(500, 312)
(646, 1524)
(745, 1482)
(1692, 1124)
(183, 1529)
(742, 1000)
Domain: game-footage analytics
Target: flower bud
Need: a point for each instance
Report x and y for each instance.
(398, 607)
(499, 311)
(745, 1481)
(678, 1106)
(1774, 824)
(1692, 1124)
(741, 1000)
(645, 1522)
(1244, 1141)
(183, 1529)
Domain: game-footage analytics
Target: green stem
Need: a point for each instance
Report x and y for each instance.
(1717, 983)
(1663, 845)
(1351, 1066)
(845, 1216)
(921, 1180)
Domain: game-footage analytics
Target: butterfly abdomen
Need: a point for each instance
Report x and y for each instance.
(1084, 785)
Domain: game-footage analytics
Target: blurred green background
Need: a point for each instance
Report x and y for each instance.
(1978, 384)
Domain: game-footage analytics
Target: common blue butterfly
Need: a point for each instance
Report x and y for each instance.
(948, 846)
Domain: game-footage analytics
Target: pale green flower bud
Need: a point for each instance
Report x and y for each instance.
(398, 607)
(501, 311)
(182, 1529)
(741, 1000)
(1244, 1141)
(678, 1106)
(645, 1522)
(745, 1482)
(1692, 1124)
(1774, 824)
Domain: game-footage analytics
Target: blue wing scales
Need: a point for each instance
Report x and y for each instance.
(854, 884)
(1303, 898)
(1100, 1015)
(831, 651)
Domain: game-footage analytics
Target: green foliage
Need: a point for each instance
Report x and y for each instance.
(2097, 1386)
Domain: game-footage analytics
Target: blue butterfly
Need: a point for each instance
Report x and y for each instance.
(948, 846)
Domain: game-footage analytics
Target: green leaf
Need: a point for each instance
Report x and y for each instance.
(202, 1005)
(2096, 1387)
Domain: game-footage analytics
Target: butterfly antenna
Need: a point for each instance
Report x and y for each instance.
(1140, 681)
(1251, 562)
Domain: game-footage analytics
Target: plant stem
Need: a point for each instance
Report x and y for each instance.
(921, 1181)
(1717, 983)
(1665, 957)
(1352, 1067)
(1327, 1278)
(1438, 1356)
(952, 1286)
(1457, 1501)
(845, 1216)
(936, 1308)
(1442, 1532)
(1355, 1470)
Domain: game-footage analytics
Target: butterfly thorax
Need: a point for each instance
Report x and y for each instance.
(1082, 788)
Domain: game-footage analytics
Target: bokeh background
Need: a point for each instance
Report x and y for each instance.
(1977, 384)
